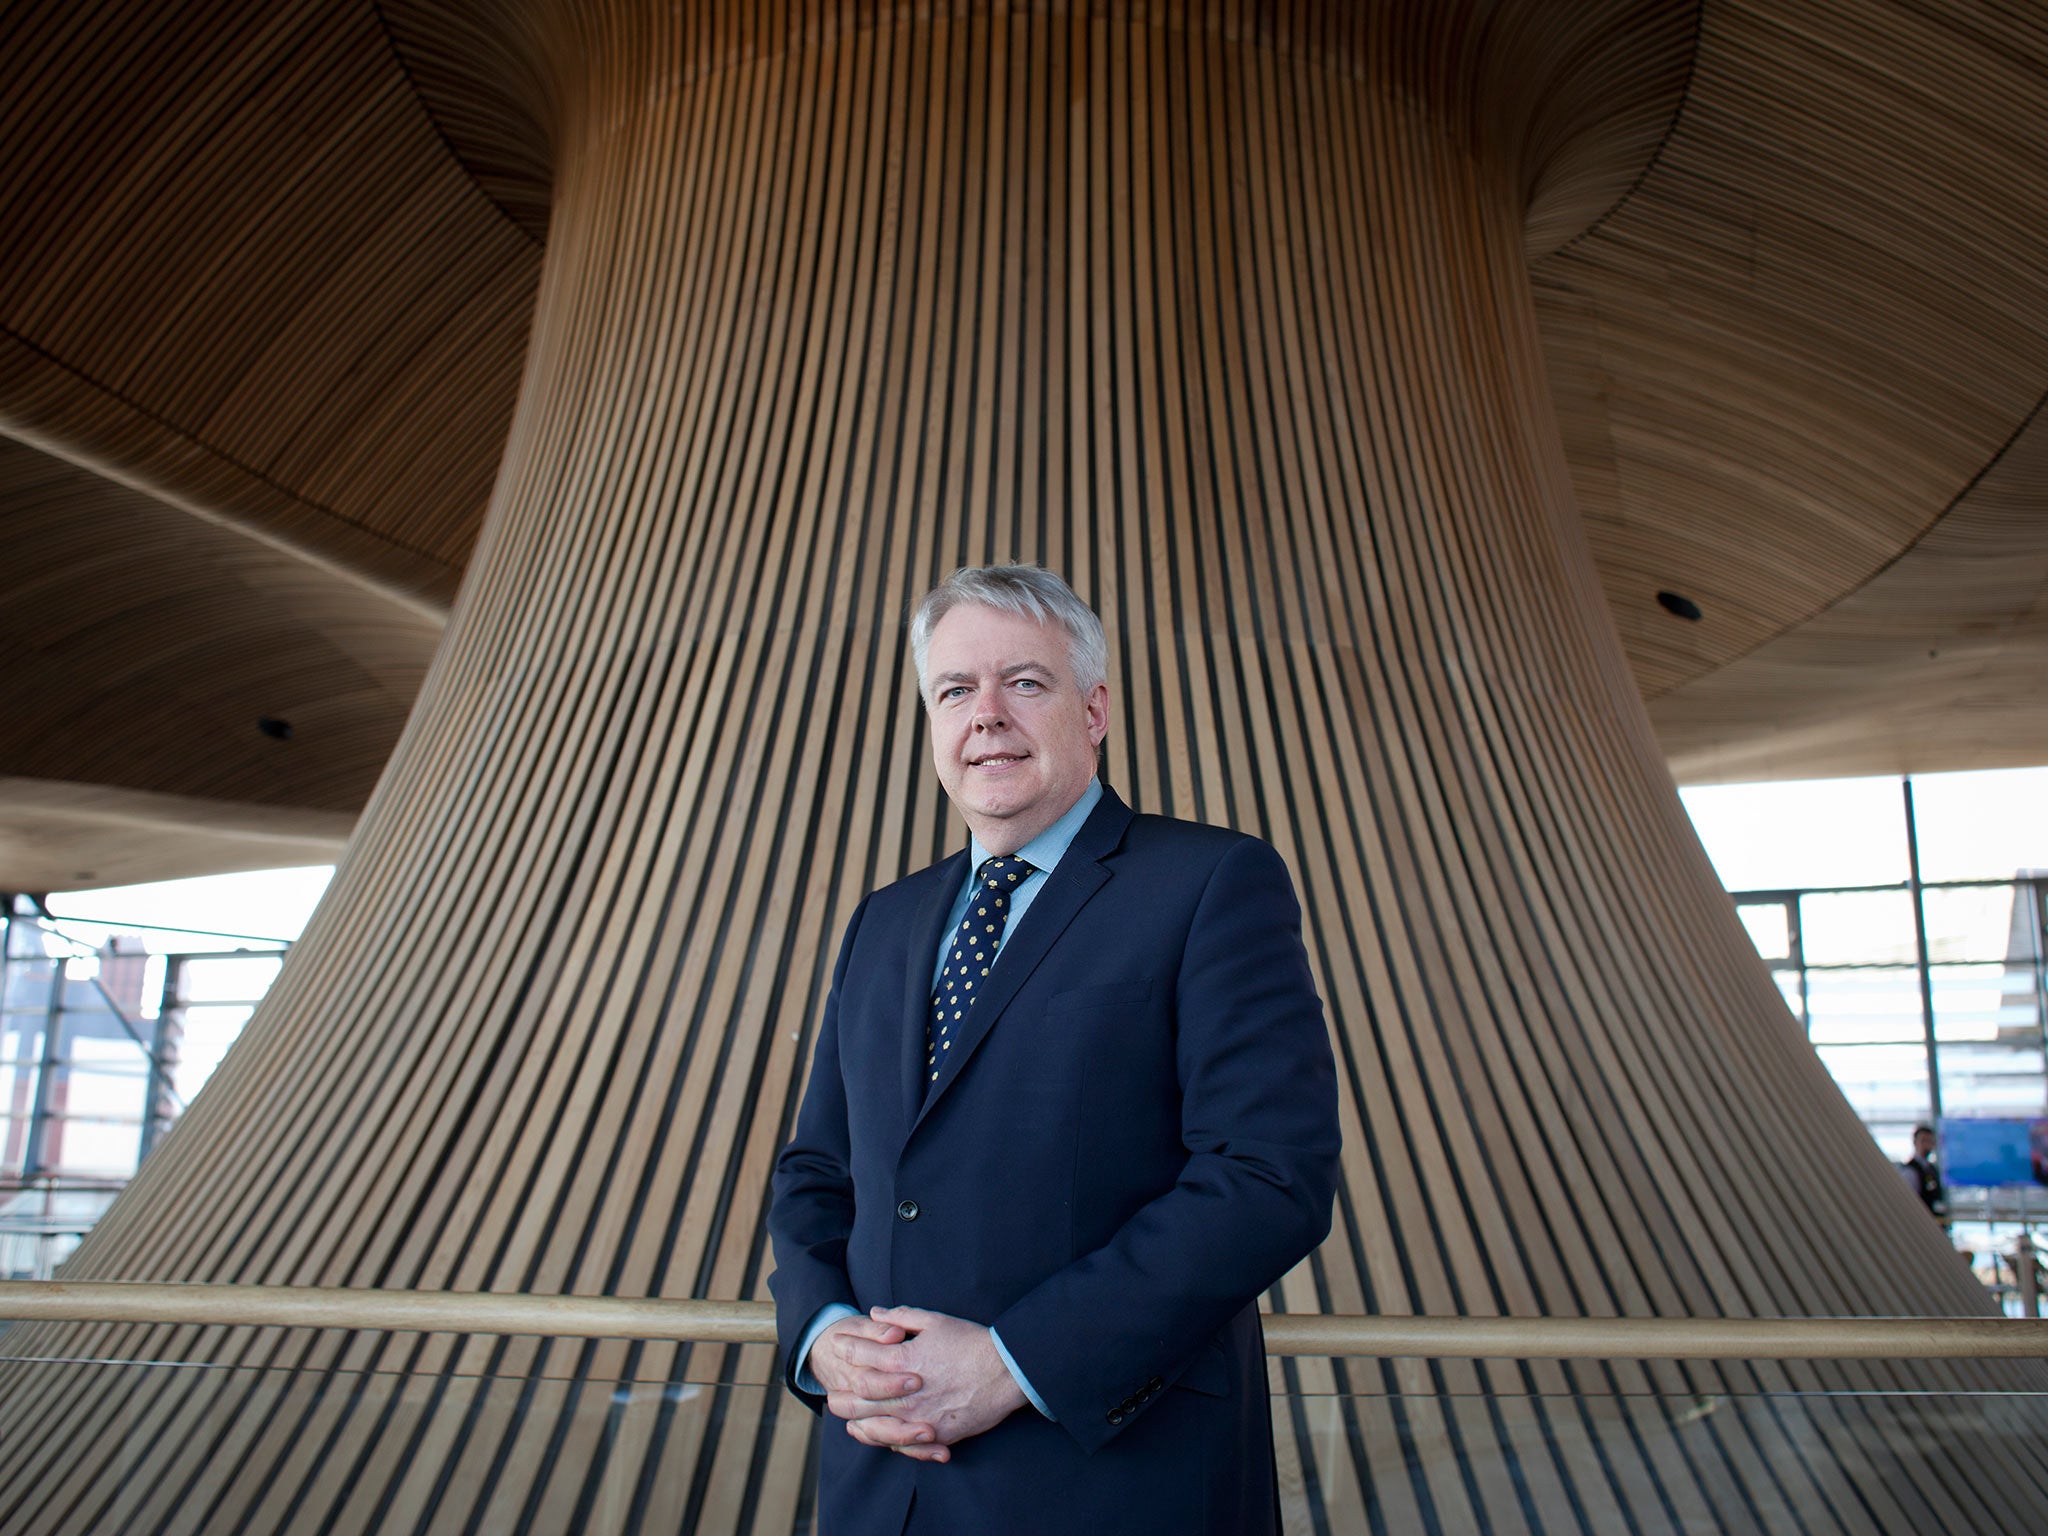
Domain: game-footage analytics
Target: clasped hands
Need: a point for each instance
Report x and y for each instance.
(913, 1381)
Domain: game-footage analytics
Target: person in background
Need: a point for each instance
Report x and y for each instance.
(1922, 1176)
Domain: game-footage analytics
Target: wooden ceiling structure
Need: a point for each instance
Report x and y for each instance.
(273, 268)
(1370, 367)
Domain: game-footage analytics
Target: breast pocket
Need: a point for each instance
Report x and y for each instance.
(1095, 1028)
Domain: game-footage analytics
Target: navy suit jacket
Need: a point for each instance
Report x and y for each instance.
(1134, 1135)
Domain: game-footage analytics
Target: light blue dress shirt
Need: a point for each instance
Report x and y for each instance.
(1043, 853)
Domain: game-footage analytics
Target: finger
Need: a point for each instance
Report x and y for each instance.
(853, 1408)
(874, 1341)
(848, 1359)
(887, 1432)
(881, 1386)
(937, 1453)
(856, 1380)
(865, 1328)
(869, 1355)
(915, 1319)
(870, 1386)
(852, 1403)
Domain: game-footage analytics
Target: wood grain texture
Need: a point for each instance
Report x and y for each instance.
(274, 264)
(1227, 314)
(1943, 650)
(238, 267)
(61, 835)
(1815, 322)
(194, 634)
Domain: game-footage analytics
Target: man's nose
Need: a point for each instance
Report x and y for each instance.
(988, 718)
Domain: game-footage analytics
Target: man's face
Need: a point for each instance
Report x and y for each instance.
(1923, 1143)
(1013, 737)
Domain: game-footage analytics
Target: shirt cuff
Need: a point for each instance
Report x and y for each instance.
(823, 1318)
(1018, 1374)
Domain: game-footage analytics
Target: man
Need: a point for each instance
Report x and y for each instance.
(1922, 1177)
(1072, 1110)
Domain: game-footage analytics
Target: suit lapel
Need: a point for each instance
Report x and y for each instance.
(917, 997)
(1079, 876)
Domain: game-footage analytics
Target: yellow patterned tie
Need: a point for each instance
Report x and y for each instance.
(968, 960)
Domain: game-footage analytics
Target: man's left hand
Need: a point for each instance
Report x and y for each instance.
(967, 1389)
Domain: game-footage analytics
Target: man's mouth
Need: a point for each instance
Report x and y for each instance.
(996, 760)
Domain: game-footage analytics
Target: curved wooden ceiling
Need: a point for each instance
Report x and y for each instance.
(268, 263)
(1819, 319)
(139, 648)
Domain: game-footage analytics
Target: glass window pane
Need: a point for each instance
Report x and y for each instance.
(208, 1032)
(149, 987)
(79, 1207)
(1883, 1083)
(96, 1024)
(1864, 1006)
(1778, 837)
(95, 1092)
(28, 985)
(234, 979)
(116, 1056)
(1870, 927)
(1769, 926)
(1977, 924)
(1788, 987)
(1992, 1081)
(1981, 826)
(1894, 1138)
(13, 1144)
(1970, 1003)
(95, 1148)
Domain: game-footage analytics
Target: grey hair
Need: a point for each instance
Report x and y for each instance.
(1030, 592)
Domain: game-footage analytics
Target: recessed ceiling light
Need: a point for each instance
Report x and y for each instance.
(1684, 607)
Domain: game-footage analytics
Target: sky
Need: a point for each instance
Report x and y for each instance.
(1973, 826)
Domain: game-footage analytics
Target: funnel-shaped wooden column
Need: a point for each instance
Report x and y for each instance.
(1232, 326)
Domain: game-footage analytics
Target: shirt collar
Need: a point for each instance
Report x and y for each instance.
(1050, 846)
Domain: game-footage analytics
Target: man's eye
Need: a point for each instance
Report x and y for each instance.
(1029, 684)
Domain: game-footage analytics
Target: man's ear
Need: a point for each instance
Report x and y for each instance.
(1098, 714)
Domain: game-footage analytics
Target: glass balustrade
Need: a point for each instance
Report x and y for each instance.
(330, 1431)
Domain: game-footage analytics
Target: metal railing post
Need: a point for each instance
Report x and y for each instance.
(1920, 953)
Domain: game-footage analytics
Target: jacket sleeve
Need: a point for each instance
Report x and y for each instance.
(1099, 1337)
(810, 1219)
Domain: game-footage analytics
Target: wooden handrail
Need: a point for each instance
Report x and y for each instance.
(753, 1322)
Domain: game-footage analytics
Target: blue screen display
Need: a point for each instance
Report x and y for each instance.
(1990, 1152)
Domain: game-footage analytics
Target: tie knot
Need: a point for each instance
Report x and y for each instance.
(1003, 872)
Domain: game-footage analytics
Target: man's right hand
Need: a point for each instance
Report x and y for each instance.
(859, 1363)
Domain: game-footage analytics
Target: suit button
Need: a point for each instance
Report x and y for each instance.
(907, 1210)
(1155, 1385)
(1116, 1416)
(1129, 1405)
